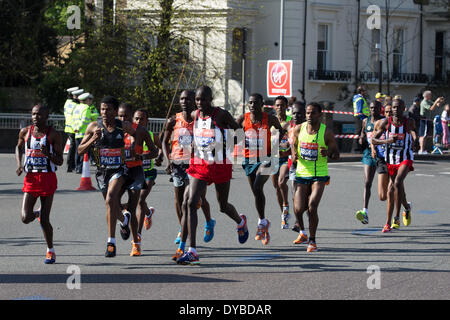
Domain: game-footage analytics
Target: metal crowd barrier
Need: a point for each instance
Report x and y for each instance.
(21, 120)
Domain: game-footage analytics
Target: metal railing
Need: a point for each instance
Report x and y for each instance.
(57, 121)
(330, 75)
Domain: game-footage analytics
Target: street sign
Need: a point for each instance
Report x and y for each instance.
(279, 78)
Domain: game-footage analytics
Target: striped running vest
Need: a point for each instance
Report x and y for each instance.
(401, 150)
(35, 160)
(310, 162)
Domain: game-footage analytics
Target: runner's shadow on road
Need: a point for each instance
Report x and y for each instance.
(109, 278)
(25, 241)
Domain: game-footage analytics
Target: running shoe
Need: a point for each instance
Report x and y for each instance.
(266, 239)
(189, 258)
(312, 246)
(178, 238)
(301, 239)
(284, 220)
(38, 214)
(395, 223)
(362, 216)
(135, 250)
(259, 232)
(209, 230)
(177, 254)
(243, 231)
(50, 258)
(110, 250)
(407, 215)
(296, 228)
(148, 219)
(386, 228)
(125, 230)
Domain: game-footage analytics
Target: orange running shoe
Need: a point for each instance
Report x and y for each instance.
(148, 219)
(136, 250)
(177, 254)
(266, 239)
(312, 246)
(301, 239)
(50, 258)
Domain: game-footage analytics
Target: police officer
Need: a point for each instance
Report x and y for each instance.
(68, 109)
(81, 119)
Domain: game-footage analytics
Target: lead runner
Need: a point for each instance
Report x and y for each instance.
(209, 164)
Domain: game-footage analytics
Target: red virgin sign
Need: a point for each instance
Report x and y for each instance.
(279, 78)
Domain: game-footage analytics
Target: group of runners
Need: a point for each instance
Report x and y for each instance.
(200, 145)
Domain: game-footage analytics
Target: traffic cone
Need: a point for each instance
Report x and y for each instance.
(67, 146)
(86, 183)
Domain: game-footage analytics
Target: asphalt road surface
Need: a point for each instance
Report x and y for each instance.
(354, 261)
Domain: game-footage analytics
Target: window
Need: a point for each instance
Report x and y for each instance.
(323, 47)
(374, 52)
(439, 55)
(397, 52)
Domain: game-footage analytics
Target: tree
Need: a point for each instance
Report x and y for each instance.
(27, 43)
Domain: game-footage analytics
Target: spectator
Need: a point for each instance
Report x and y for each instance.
(387, 101)
(414, 113)
(380, 97)
(445, 119)
(426, 121)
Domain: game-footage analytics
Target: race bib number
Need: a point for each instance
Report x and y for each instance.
(36, 160)
(399, 143)
(110, 158)
(185, 141)
(309, 151)
(147, 163)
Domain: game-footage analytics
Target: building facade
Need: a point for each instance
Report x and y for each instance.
(334, 45)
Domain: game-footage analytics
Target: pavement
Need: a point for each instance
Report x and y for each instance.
(354, 261)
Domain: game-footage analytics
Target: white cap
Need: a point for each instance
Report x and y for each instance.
(91, 96)
(84, 96)
(70, 90)
(77, 92)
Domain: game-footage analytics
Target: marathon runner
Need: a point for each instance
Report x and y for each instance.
(257, 152)
(281, 176)
(370, 162)
(400, 137)
(42, 146)
(177, 149)
(313, 144)
(106, 136)
(210, 163)
(145, 213)
(135, 178)
(298, 117)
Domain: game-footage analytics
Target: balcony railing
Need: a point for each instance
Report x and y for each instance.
(372, 77)
(330, 75)
(366, 76)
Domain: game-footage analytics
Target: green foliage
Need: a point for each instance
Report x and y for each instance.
(26, 42)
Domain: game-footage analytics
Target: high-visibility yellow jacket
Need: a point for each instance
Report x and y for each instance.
(81, 119)
(69, 106)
